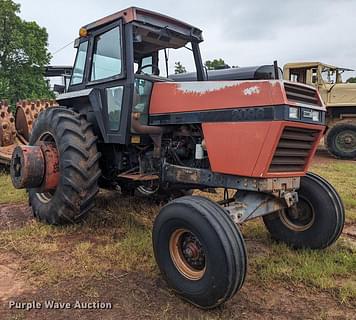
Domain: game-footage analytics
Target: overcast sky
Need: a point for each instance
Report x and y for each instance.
(243, 33)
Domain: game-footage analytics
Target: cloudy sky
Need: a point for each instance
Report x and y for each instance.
(241, 32)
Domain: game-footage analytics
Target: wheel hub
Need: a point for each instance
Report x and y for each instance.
(346, 140)
(187, 254)
(35, 167)
(299, 217)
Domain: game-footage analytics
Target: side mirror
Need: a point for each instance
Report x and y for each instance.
(59, 88)
(314, 79)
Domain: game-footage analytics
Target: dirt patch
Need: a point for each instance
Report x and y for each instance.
(12, 283)
(14, 215)
(136, 296)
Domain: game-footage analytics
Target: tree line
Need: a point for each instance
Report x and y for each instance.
(23, 56)
(215, 64)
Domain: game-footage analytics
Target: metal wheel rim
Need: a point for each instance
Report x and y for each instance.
(179, 258)
(346, 140)
(290, 223)
(148, 190)
(46, 197)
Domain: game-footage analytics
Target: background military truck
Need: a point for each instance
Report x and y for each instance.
(339, 98)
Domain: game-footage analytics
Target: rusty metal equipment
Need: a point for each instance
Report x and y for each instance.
(15, 129)
(123, 129)
(27, 112)
(35, 167)
(7, 132)
(7, 125)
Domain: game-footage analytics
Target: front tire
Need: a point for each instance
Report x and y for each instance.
(79, 169)
(317, 220)
(199, 250)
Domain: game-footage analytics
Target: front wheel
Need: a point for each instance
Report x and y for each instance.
(315, 222)
(199, 250)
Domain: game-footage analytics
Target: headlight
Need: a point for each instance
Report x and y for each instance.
(293, 113)
(316, 115)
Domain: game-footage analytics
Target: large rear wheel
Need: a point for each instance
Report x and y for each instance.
(199, 250)
(315, 222)
(72, 136)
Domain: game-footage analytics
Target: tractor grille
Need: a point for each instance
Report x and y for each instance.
(301, 94)
(293, 149)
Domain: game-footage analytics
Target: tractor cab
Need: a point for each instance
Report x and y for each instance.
(118, 59)
(313, 73)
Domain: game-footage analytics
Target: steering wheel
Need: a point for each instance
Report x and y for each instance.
(154, 67)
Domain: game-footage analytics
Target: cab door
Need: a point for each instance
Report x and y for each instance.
(110, 72)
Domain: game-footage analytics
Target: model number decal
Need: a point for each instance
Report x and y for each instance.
(248, 114)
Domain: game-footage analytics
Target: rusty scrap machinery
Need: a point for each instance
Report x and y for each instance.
(15, 128)
(123, 125)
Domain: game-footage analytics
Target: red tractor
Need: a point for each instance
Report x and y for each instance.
(139, 131)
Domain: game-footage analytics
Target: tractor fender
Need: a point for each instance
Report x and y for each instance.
(87, 101)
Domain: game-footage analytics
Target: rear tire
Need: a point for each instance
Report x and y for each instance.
(200, 251)
(78, 167)
(318, 220)
(341, 141)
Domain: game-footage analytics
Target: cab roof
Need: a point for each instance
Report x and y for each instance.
(149, 18)
(312, 64)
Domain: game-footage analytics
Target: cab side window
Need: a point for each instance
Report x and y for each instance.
(141, 98)
(298, 75)
(107, 57)
(114, 99)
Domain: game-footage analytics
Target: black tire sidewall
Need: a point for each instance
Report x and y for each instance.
(215, 281)
(60, 209)
(46, 211)
(326, 220)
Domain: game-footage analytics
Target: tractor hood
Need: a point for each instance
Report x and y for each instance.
(210, 95)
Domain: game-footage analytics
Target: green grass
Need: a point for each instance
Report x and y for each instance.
(8, 194)
(342, 175)
(332, 269)
(116, 237)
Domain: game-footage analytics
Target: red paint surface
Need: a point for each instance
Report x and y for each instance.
(167, 97)
(247, 148)
(51, 175)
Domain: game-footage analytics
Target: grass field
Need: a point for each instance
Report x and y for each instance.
(7, 192)
(114, 245)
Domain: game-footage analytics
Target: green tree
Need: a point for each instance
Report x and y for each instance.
(351, 80)
(179, 68)
(23, 56)
(216, 64)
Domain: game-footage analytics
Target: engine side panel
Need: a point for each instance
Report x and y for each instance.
(249, 148)
(234, 147)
